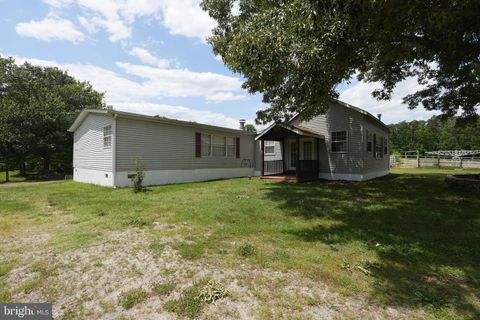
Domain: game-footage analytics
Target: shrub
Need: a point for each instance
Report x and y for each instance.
(138, 177)
(247, 250)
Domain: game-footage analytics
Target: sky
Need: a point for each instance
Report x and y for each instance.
(151, 57)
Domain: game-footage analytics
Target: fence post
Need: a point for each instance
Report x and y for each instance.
(461, 162)
(418, 159)
(438, 160)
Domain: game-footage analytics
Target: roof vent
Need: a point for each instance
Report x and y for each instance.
(242, 124)
(379, 116)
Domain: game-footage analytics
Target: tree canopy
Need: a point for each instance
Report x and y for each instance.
(37, 105)
(296, 52)
(434, 134)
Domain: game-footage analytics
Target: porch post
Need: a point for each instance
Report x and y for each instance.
(318, 157)
(283, 154)
(297, 168)
(263, 158)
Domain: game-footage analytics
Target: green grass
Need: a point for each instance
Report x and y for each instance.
(132, 297)
(418, 242)
(189, 304)
(13, 175)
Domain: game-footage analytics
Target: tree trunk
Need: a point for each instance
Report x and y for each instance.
(46, 164)
(23, 169)
(7, 178)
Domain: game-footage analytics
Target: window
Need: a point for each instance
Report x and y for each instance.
(339, 141)
(385, 146)
(269, 147)
(218, 146)
(206, 145)
(369, 141)
(377, 147)
(107, 136)
(307, 150)
(231, 147)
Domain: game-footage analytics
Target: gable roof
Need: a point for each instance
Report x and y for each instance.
(130, 115)
(297, 129)
(357, 109)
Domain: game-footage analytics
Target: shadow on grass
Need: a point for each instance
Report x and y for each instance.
(427, 239)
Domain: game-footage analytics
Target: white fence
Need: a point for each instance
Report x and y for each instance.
(416, 161)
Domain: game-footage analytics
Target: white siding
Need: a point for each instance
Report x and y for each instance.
(88, 150)
(370, 164)
(170, 147)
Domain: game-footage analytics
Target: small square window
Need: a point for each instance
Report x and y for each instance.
(269, 147)
(339, 141)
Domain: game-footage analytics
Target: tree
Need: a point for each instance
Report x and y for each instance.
(295, 52)
(37, 105)
(434, 134)
(250, 128)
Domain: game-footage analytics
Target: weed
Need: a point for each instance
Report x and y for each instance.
(163, 289)
(247, 250)
(132, 297)
(188, 305)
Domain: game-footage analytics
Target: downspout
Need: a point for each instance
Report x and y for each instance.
(114, 150)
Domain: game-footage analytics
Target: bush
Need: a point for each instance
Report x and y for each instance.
(247, 250)
(138, 177)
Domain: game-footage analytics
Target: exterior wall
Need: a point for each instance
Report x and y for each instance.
(92, 162)
(370, 163)
(167, 153)
(338, 118)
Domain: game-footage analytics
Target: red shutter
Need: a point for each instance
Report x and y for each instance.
(198, 144)
(237, 147)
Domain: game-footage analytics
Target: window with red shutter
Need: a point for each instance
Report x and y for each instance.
(237, 144)
(198, 144)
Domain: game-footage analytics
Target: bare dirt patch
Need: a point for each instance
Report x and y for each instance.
(90, 283)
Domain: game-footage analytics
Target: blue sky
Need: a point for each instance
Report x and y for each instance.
(150, 56)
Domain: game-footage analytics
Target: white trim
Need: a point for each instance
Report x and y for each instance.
(114, 147)
(98, 177)
(352, 176)
(156, 177)
(346, 141)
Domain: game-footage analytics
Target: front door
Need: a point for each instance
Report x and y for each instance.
(292, 156)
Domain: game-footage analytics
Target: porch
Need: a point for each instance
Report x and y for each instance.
(289, 153)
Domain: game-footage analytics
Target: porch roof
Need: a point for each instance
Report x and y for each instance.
(280, 131)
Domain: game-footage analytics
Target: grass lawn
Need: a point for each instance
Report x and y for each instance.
(320, 249)
(13, 175)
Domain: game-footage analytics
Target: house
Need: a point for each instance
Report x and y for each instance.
(107, 144)
(346, 143)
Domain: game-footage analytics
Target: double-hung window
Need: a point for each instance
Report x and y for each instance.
(339, 141)
(369, 141)
(231, 147)
(218, 146)
(385, 146)
(269, 147)
(107, 136)
(206, 145)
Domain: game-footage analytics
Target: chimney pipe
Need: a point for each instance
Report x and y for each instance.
(379, 116)
(242, 124)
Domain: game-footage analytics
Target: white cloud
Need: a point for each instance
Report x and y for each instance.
(183, 82)
(50, 28)
(155, 82)
(145, 56)
(393, 110)
(224, 96)
(179, 17)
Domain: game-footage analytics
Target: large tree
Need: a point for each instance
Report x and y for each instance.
(37, 105)
(295, 52)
